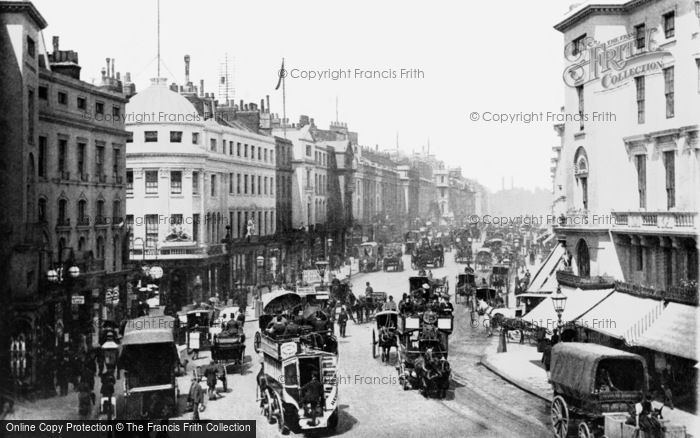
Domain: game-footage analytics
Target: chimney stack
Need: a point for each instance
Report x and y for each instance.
(108, 67)
(187, 69)
(201, 87)
(55, 44)
(127, 77)
(112, 75)
(262, 105)
(267, 100)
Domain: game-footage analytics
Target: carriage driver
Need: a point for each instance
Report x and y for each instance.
(312, 396)
(277, 325)
(390, 305)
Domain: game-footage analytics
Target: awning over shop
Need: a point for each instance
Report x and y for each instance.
(674, 332)
(578, 302)
(545, 278)
(622, 316)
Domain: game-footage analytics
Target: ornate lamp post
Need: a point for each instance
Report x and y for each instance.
(64, 274)
(260, 262)
(559, 303)
(321, 267)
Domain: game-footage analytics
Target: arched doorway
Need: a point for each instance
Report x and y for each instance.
(583, 259)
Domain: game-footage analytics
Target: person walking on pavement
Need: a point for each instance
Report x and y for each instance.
(210, 375)
(342, 321)
(195, 397)
(62, 377)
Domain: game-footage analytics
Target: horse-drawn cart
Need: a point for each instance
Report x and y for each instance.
(385, 335)
(595, 387)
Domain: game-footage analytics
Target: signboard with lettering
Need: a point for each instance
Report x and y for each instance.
(77, 299)
(311, 276)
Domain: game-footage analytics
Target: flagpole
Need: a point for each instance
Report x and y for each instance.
(284, 102)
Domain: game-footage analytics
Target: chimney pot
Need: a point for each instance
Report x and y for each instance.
(187, 69)
(112, 68)
(127, 77)
(55, 44)
(201, 87)
(267, 100)
(262, 105)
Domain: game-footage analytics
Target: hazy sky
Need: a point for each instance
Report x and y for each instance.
(495, 56)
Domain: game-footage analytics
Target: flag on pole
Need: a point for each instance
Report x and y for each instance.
(280, 75)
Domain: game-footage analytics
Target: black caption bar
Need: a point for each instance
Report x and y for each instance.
(128, 429)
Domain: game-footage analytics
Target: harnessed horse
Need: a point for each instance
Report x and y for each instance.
(486, 313)
(433, 374)
(387, 339)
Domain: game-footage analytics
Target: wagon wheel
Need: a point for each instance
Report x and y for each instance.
(270, 411)
(374, 344)
(279, 417)
(560, 416)
(583, 430)
(257, 341)
(264, 402)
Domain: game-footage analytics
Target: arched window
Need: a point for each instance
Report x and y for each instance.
(81, 244)
(583, 259)
(41, 213)
(82, 212)
(116, 211)
(115, 252)
(62, 212)
(581, 169)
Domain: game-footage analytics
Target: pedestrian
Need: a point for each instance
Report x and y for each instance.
(62, 377)
(342, 321)
(195, 397)
(368, 290)
(107, 404)
(312, 395)
(210, 375)
(241, 315)
(390, 305)
(194, 342)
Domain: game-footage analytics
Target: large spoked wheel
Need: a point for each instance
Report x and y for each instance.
(265, 403)
(560, 417)
(257, 341)
(374, 344)
(279, 414)
(584, 431)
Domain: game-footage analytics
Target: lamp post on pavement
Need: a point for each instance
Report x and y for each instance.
(321, 267)
(559, 303)
(260, 262)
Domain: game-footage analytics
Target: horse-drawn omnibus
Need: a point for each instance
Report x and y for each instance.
(290, 363)
(393, 258)
(199, 321)
(149, 358)
(371, 256)
(423, 332)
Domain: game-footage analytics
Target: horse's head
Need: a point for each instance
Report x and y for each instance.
(481, 305)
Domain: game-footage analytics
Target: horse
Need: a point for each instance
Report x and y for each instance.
(486, 310)
(432, 373)
(387, 339)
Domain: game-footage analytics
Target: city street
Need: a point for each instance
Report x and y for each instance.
(479, 403)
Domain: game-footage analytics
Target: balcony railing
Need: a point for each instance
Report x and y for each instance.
(65, 222)
(101, 220)
(669, 220)
(568, 278)
(686, 294)
(83, 222)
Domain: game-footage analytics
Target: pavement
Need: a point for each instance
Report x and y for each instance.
(521, 366)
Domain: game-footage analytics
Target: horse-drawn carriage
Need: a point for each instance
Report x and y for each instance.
(371, 257)
(465, 286)
(483, 259)
(297, 384)
(229, 344)
(411, 241)
(422, 335)
(393, 258)
(199, 321)
(149, 358)
(441, 287)
(428, 256)
(597, 387)
(385, 337)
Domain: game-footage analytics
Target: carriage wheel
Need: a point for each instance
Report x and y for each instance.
(583, 430)
(560, 417)
(374, 344)
(270, 412)
(257, 341)
(280, 414)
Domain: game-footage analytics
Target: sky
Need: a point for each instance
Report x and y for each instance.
(500, 57)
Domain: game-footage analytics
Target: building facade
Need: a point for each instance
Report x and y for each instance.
(630, 167)
(62, 193)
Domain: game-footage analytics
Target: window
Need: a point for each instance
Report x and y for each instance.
(82, 212)
(100, 161)
(43, 92)
(670, 24)
(116, 111)
(252, 184)
(195, 183)
(42, 156)
(670, 167)
(41, 216)
(31, 47)
(245, 151)
(30, 116)
(100, 212)
(195, 227)
(175, 136)
(668, 91)
(265, 186)
(81, 159)
(151, 230)
(116, 211)
(129, 137)
(245, 184)
(259, 155)
(100, 250)
(639, 83)
(584, 192)
(151, 182)
(639, 34)
(99, 108)
(259, 188)
(129, 182)
(577, 45)
(641, 164)
(81, 103)
(238, 183)
(640, 258)
(150, 136)
(116, 159)
(62, 208)
(230, 147)
(212, 145)
(579, 93)
(230, 183)
(195, 138)
(238, 149)
(176, 182)
(176, 219)
(213, 185)
(265, 155)
(62, 151)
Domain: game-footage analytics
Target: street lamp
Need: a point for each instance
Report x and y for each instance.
(260, 262)
(321, 267)
(559, 303)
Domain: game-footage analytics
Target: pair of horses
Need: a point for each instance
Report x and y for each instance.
(494, 320)
(432, 374)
